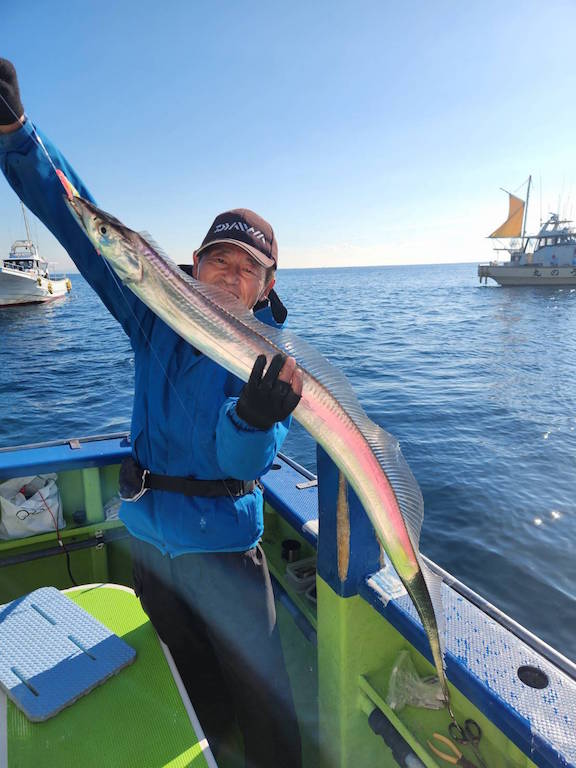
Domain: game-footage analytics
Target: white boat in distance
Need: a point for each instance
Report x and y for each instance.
(24, 276)
(547, 258)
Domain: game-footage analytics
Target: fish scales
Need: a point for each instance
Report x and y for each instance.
(216, 323)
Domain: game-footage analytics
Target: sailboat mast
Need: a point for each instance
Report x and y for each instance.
(525, 214)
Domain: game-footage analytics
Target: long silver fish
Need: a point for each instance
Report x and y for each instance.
(216, 323)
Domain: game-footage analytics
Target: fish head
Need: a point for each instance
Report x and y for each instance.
(113, 240)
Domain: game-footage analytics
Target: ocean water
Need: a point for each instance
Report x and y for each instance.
(476, 382)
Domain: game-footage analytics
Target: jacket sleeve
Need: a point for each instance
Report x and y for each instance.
(245, 452)
(32, 177)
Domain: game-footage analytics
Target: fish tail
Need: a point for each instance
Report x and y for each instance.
(425, 589)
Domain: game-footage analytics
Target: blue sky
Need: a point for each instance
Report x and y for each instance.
(366, 132)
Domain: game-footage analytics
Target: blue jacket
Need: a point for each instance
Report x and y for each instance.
(184, 420)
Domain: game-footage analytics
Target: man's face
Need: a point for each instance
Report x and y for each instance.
(233, 269)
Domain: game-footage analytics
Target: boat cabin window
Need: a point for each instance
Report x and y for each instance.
(21, 264)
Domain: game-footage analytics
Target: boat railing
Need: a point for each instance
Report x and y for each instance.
(484, 269)
(52, 273)
(533, 641)
(72, 442)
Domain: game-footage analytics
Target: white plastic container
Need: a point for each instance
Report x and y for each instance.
(301, 574)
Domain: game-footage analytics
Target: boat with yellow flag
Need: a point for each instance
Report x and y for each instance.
(546, 259)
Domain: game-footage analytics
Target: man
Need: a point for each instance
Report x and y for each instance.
(204, 439)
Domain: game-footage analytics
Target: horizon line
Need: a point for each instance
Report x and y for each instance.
(346, 266)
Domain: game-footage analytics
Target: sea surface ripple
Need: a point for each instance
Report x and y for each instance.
(476, 382)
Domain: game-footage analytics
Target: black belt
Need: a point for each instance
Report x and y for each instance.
(191, 487)
(134, 481)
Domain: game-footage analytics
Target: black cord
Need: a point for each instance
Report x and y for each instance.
(68, 567)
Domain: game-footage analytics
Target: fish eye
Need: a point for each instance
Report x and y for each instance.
(103, 229)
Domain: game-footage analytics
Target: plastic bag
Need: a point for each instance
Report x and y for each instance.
(407, 688)
(30, 505)
(112, 507)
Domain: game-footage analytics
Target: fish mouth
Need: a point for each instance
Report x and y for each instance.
(75, 208)
(71, 203)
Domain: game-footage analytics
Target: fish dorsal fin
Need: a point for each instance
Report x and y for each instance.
(154, 245)
(384, 446)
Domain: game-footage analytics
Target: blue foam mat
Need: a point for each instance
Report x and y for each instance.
(52, 652)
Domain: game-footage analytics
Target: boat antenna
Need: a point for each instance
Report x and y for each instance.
(525, 215)
(540, 199)
(26, 223)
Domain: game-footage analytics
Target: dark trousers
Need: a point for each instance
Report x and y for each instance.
(216, 614)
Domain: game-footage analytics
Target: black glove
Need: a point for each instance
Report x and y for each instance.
(265, 400)
(11, 108)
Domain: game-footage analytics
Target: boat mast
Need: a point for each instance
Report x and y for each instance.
(524, 244)
(26, 222)
(33, 249)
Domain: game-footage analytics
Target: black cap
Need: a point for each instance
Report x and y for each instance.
(11, 108)
(247, 230)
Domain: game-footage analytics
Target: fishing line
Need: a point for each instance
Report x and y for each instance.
(117, 282)
(35, 136)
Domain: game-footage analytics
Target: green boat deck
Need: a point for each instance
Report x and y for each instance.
(137, 718)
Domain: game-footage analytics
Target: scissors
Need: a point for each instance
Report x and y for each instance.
(470, 733)
(456, 758)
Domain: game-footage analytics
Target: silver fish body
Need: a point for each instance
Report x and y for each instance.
(217, 324)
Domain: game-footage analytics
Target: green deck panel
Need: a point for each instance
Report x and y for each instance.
(93, 506)
(135, 719)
